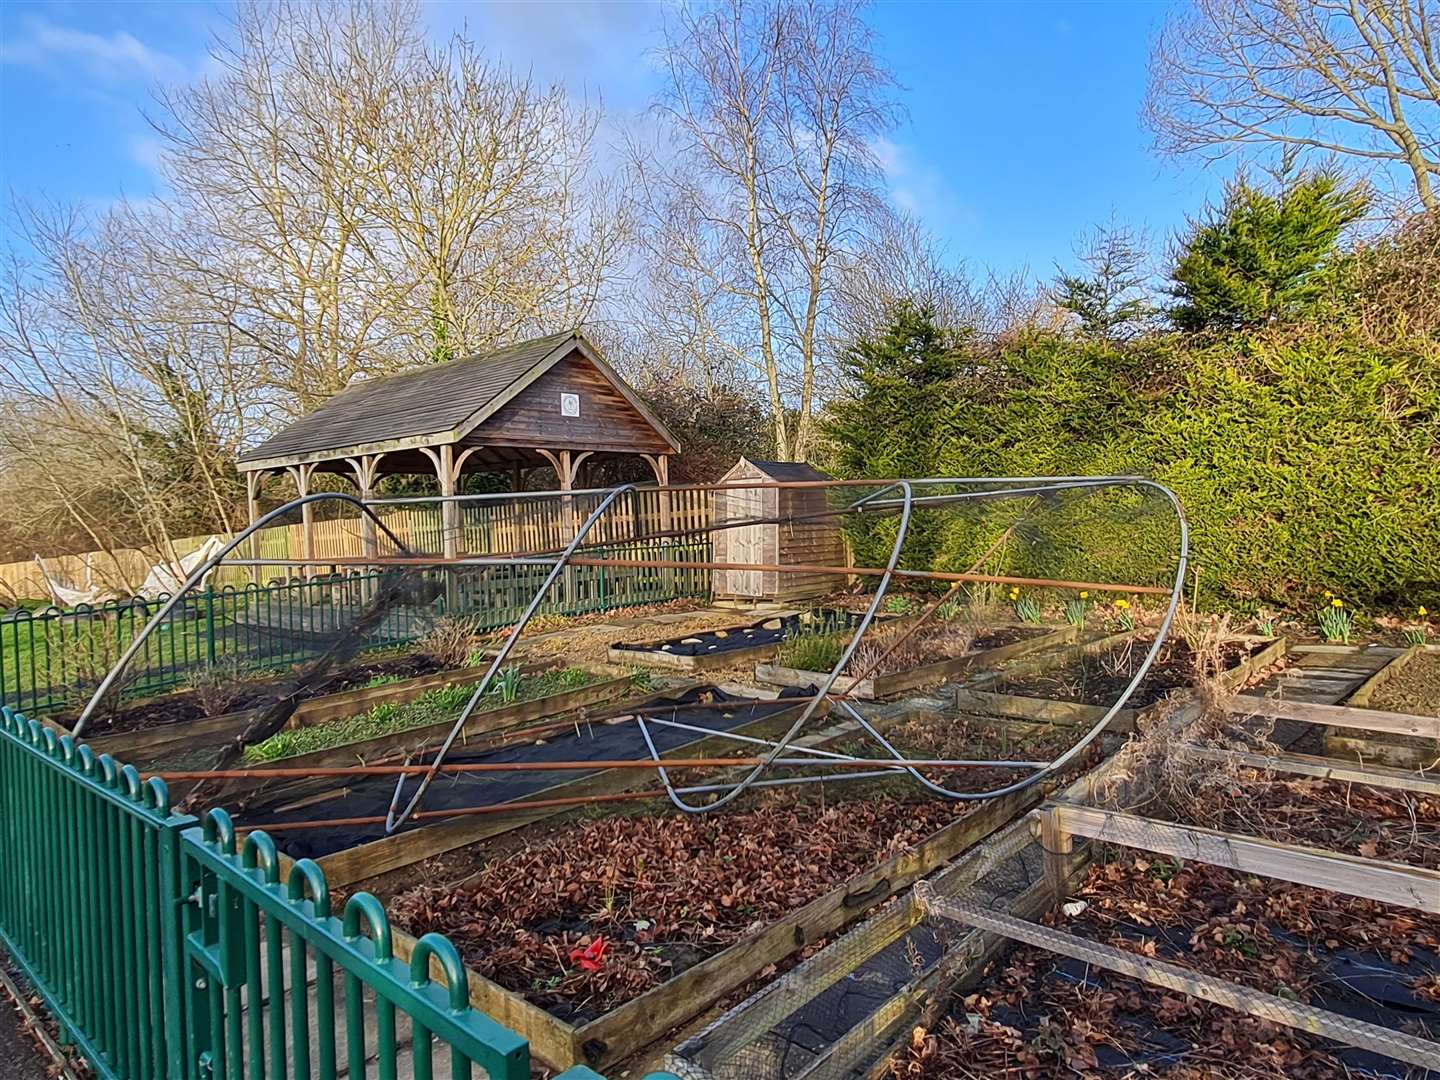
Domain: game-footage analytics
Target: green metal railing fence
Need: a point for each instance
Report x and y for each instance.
(262, 966)
(165, 953)
(88, 897)
(50, 660)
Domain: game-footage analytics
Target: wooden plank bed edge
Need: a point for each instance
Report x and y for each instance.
(1342, 716)
(1360, 699)
(1322, 768)
(630, 1026)
(1352, 875)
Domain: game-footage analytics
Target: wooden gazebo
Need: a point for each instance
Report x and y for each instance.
(551, 401)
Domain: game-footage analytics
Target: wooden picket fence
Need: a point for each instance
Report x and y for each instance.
(509, 526)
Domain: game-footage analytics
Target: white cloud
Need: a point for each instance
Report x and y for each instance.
(920, 189)
(116, 57)
(584, 44)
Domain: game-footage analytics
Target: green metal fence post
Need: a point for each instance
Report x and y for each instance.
(210, 626)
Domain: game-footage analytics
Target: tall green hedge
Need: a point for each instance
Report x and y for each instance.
(1306, 458)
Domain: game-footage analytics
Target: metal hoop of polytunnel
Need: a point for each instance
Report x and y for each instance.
(901, 499)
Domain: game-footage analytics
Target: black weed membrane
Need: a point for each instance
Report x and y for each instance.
(616, 737)
(756, 635)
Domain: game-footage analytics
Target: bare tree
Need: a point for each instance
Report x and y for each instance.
(490, 198)
(1359, 78)
(371, 203)
(902, 263)
(768, 177)
(128, 410)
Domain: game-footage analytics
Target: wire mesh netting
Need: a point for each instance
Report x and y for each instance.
(962, 575)
(834, 1014)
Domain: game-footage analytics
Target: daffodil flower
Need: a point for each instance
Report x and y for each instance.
(1337, 602)
(1084, 595)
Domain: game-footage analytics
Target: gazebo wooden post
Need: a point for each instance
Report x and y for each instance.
(301, 475)
(448, 467)
(567, 467)
(366, 469)
(252, 505)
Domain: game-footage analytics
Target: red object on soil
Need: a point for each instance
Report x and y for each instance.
(591, 957)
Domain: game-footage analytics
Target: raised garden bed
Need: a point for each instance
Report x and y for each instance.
(1081, 688)
(709, 649)
(1410, 685)
(772, 880)
(933, 656)
(189, 706)
(401, 730)
(354, 852)
(158, 744)
(393, 725)
(953, 735)
(1033, 1013)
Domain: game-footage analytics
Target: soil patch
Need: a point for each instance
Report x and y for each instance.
(1099, 679)
(1414, 689)
(961, 736)
(1035, 1014)
(596, 916)
(750, 636)
(250, 694)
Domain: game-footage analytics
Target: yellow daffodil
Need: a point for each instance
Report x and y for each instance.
(1123, 605)
(1328, 594)
(1084, 595)
(1337, 602)
(1421, 611)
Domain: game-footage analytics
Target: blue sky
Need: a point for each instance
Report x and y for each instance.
(1022, 125)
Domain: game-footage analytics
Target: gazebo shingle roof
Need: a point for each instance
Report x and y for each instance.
(425, 401)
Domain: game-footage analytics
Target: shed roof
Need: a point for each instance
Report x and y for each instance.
(780, 471)
(428, 406)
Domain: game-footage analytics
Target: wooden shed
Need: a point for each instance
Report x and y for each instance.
(813, 543)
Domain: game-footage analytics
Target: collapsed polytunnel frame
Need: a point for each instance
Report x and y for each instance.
(1039, 512)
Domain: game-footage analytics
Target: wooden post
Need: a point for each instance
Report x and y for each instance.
(366, 470)
(660, 466)
(1058, 845)
(252, 504)
(448, 466)
(301, 475)
(567, 467)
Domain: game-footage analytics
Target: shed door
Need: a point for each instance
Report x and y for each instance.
(747, 543)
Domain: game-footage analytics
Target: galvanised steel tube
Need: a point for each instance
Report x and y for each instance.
(198, 575)
(824, 689)
(394, 821)
(929, 481)
(1094, 733)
